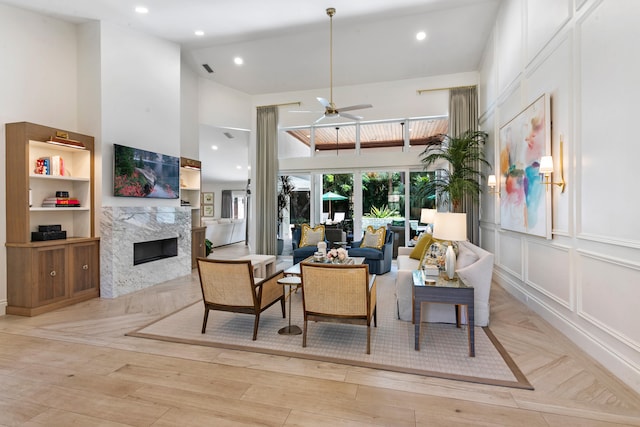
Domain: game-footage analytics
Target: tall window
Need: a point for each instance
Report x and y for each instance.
(382, 198)
(419, 196)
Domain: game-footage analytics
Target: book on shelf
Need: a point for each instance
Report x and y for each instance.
(61, 202)
(42, 166)
(53, 166)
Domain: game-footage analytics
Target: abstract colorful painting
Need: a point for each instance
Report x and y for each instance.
(525, 203)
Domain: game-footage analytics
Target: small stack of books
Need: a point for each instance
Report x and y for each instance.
(60, 202)
(53, 165)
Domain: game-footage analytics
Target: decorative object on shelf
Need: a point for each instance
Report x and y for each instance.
(451, 227)
(546, 169)
(48, 232)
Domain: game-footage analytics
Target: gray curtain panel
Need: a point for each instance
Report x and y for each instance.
(463, 116)
(227, 200)
(266, 180)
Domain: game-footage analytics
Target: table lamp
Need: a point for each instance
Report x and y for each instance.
(451, 227)
(426, 217)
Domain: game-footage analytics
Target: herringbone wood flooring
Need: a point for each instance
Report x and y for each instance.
(75, 366)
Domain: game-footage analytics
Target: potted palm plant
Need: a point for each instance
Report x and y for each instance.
(464, 155)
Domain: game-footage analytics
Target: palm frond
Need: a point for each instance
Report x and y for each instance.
(465, 157)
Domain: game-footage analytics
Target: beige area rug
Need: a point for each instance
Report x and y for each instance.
(443, 347)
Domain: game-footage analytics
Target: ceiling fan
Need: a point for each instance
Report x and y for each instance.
(330, 108)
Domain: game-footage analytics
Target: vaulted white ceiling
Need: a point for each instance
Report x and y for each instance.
(285, 43)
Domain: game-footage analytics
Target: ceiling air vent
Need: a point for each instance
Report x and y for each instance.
(206, 67)
(228, 135)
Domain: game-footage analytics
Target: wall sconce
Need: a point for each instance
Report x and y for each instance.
(546, 169)
(491, 183)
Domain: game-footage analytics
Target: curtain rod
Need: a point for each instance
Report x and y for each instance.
(298, 103)
(420, 91)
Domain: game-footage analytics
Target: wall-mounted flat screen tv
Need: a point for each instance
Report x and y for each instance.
(140, 173)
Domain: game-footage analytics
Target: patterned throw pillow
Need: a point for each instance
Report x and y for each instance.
(374, 238)
(423, 242)
(311, 236)
(434, 254)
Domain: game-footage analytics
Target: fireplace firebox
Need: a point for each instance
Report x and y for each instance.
(154, 250)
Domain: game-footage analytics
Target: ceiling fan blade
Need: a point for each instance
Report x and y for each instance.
(320, 119)
(324, 102)
(355, 107)
(349, 116)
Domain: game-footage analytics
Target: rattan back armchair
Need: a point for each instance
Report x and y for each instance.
(338, 293)
(229, 285)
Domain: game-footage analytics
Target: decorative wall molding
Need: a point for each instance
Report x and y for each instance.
(548, 245)
(599, 323)
(552, 35)
(635, 244)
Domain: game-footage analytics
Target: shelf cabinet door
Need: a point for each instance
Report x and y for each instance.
(197, 245)
(50, 274)
(84, 266)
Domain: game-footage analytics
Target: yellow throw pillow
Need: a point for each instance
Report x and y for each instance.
(374, 238)
(423, 242)
(311, 236)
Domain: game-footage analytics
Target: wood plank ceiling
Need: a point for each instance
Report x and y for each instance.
(374, 135)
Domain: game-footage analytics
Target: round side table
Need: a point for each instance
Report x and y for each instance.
(290, 281)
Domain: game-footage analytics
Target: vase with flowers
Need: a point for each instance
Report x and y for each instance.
(337, 255)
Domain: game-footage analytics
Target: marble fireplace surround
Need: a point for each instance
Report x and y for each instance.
(121, 227)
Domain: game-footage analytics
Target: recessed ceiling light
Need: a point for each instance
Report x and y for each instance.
(421, 35)
(238, 167)
(214, 147)
(142, 9)
(199, 33)
(238, 61)
(248, 167)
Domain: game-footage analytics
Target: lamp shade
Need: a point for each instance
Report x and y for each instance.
(427, 215)
(450, 226)
(546, 164)
(491, 181)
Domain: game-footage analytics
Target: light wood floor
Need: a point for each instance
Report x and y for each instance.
(75, 367)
